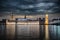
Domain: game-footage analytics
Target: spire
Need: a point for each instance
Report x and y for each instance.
(25, 16)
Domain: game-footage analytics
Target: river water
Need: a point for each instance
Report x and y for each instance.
(28, 30)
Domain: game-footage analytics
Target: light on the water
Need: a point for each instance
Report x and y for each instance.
(46, 27)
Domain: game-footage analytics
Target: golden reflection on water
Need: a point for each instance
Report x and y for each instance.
(29, 28)
(46, 27)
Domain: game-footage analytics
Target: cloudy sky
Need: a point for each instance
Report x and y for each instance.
(30, 6)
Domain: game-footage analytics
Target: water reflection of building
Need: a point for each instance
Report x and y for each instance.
(31, 28)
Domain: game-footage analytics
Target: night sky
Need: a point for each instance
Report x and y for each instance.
(30, 6)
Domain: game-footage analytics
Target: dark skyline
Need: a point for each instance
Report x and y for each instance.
(30, 6)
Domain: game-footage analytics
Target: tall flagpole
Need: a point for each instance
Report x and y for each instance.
(11, 15)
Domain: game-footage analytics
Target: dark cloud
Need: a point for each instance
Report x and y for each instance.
(30, 6)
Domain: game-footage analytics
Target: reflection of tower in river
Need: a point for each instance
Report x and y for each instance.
(44, 28)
